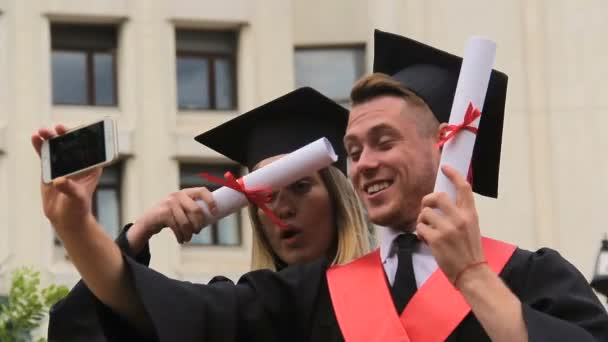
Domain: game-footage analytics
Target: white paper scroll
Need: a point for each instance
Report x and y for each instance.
(477, 64)
(282, 172)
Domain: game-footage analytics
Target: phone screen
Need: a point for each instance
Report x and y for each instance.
(77, 150)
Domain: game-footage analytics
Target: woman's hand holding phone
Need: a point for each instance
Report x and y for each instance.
(66, 201)
(79, 150)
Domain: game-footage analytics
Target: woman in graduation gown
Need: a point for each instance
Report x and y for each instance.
(326, 219)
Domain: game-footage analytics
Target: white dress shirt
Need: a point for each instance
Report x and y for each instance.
(423, 260)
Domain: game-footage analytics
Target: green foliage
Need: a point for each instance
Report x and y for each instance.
(27, 305)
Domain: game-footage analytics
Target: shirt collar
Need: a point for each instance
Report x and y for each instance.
(388, 235)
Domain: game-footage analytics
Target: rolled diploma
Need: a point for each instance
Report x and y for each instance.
(281, 172)
(472, 86)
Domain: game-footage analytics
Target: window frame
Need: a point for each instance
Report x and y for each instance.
(94, 205)
(214, 227)
(211, 58)
(334, 47)
(119, 178)
(89, 52)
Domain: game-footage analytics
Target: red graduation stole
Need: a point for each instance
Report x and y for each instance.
(365, 311)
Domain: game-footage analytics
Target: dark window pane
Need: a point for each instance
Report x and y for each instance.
(111, 176)
(108, 211)
(86, 37)
(83, 64)
(189, 176)
(107, 199)
(228, 232)
(193, 83)
(332, 71)
(215, 89)
(104, 79)
(217, 42)
(69, 77)
(224, 87)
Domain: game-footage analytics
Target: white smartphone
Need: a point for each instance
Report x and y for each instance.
(80, 149)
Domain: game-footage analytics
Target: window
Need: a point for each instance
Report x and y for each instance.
(227, 231)
(332, 71)
(83, 61)
(206, 69)
(106, 201)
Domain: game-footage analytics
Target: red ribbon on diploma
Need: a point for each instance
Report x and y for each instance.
(450, 131)
(258, 195)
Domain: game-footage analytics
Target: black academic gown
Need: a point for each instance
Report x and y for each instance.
(294, 305)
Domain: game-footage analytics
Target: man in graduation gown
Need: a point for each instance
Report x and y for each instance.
(495, 291)
(444, 280)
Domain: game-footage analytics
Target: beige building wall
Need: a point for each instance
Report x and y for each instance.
(553, 181)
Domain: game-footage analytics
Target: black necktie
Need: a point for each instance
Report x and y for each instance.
(404, 285)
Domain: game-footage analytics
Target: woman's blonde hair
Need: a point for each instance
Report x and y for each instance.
(353, 235)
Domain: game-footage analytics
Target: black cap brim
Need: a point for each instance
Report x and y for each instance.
(279, 127)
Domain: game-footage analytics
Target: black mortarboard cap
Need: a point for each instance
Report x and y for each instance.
(280, 126)
(433, 74)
